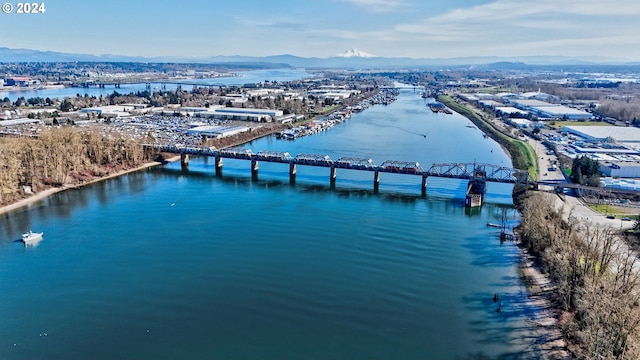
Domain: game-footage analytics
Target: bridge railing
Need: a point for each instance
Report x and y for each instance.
(401, 167)
(236, 153)
(274, 156)
(488, 172)
(313, 159)
(355, 163)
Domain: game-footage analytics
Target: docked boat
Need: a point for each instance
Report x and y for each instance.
(31, 237)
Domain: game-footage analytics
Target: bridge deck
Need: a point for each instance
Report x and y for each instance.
(492, 173)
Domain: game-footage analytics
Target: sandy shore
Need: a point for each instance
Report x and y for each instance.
(43, 194)
(545, 320)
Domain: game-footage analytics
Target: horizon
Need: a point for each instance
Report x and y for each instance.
(385, 28)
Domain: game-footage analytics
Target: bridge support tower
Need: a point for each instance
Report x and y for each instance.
(424, 185)
(184, 160)
(476, 189)
(254, 168)
(292, 173)
(218, 165)
(332, 175)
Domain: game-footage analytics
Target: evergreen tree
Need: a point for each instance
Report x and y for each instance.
(586, 171)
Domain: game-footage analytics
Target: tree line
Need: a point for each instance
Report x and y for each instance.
(63, 156)
(597, 287)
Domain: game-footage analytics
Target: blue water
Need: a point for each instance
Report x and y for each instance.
(246, 77)
(166, 264)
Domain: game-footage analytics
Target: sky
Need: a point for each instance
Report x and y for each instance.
(324, 28)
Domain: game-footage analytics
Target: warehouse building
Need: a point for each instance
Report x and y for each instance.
(217, 131)
(547, 110)
(599, 134)
(625, 169)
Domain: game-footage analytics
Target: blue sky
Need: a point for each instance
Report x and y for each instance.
(308, 28)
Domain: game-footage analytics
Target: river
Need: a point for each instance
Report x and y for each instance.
(245, 77)
(166, 264)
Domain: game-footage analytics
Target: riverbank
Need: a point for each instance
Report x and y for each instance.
(39, 87)
(48, 192)
(521, 153)
(545, 319)
(237, 140)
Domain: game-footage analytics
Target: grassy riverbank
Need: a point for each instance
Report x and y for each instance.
(522, 154)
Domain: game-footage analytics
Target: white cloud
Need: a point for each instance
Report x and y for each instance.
(378, 6)
(511, 28)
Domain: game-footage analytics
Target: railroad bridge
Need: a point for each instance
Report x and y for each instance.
(477, 173)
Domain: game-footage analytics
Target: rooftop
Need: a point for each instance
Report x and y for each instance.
(618, 133)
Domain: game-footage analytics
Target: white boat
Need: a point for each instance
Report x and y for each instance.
(31, 237)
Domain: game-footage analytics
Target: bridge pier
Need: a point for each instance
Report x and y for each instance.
(254, 168)
(292, 173)
(475, 193)
(184, 160)
(376, 181)
(218, 165)
(424, 185)
(332, 175)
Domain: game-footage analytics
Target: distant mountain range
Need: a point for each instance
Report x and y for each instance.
(351, 59)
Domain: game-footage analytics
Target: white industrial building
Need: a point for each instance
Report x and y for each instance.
(561, 112)
(232, 113)
(547, 110)
(217, 131)
(490, 103)
(520, 123)
(627, 169)
(111, 110)
(259, 115)
(600, 134)
(510, 111)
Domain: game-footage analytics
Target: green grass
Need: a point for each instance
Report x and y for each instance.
(560, 124)
(607, 209)
(532, 158)
(522, 154)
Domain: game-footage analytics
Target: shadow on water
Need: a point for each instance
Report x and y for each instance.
(65, 203)
(485, 253)
(342, 190)
(506, 320)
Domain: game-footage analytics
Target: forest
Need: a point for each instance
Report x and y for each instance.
(63, 157)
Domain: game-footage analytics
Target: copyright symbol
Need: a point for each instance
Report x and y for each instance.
(7, 8)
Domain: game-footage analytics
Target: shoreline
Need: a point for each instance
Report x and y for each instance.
(41, 195)
(543, 322)
(539, 287)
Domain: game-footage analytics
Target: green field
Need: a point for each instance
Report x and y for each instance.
(560, 124)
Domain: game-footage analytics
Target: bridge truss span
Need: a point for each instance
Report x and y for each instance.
(237, 153)
(355, 163)
(274, 156)
(401, 167)
(313, 160)
(492, 173)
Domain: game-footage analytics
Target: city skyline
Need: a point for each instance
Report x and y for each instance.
(385, 28)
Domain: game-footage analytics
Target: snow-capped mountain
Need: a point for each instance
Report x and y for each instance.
(355, 53)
